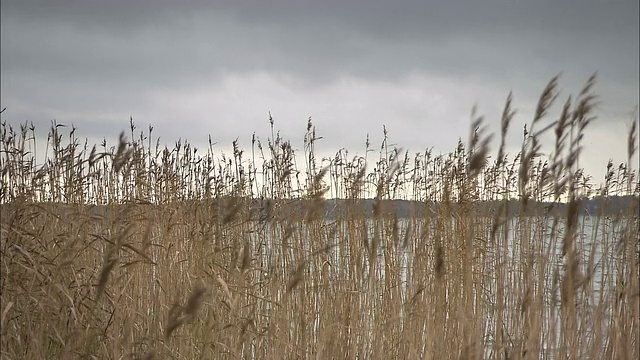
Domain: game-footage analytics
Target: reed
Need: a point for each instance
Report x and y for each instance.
(142, 251)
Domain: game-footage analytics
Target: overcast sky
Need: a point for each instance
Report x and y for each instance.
(193, 68)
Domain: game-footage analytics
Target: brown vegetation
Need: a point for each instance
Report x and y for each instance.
(142, 252)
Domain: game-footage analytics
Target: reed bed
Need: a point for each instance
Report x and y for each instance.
(142, 251)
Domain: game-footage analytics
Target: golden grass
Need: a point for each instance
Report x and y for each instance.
(141, 252)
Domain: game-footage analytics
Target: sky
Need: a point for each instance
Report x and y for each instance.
(219, 68)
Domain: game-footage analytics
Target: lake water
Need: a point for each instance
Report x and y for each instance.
(597, 245)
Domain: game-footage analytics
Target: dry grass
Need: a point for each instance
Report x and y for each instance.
(135, 251)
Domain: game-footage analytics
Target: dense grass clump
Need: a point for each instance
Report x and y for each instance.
(139, 251)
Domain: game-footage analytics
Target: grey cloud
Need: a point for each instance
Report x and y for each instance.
(321, 40)
(101, 61)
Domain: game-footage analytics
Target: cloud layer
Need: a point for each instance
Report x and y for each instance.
(199, 67)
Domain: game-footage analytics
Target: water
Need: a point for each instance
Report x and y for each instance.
(596, 244)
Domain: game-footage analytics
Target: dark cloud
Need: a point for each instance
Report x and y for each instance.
(213, 65)
(319, 40)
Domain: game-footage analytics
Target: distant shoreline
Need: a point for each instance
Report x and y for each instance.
(333, 208)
